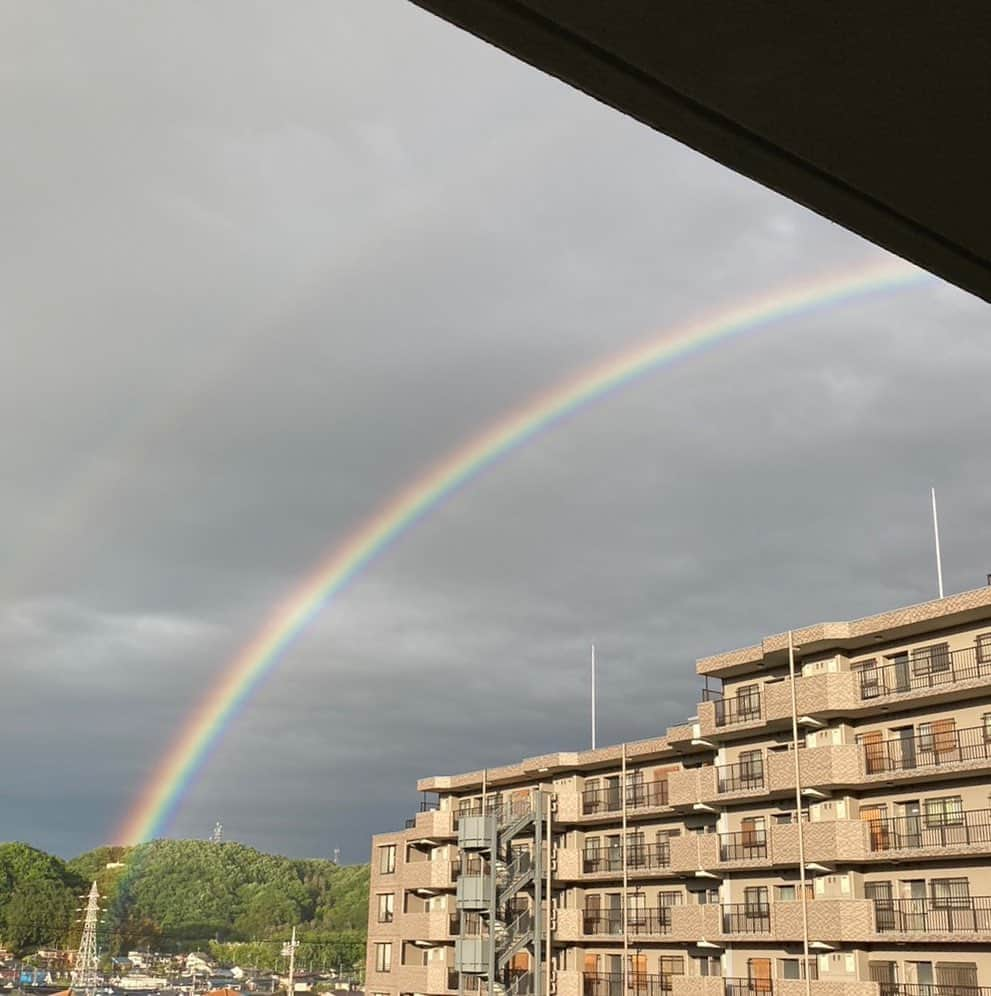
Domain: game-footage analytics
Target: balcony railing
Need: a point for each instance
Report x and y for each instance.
(639, 795)
(932, 989)
(646, 795)
(932, 671)
(950, 915)
(741, 777)
(638, 921)
(641, 856)
(640, 983)
(738, 709)
(504, 809)
(927, 750)
(748, 987)
(747, 918)
(745, 845)
(921, 832)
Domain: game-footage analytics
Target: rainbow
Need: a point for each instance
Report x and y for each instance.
(165, 789)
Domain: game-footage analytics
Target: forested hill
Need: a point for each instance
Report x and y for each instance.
(181, 894)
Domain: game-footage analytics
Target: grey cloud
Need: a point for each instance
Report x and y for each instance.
(260, 270)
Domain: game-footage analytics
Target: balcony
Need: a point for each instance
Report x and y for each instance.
(639, 796)
(964, 832)
(742, 708)
(435, 977)
(639, 922)
(828, 842)
(832, 766)
(825, 694)
(745, 845)
(428, 874)
(928, 677)
(944, 751)
(637, 984)
(932, 989)
(746, 918)
(748, 987)
(954, 915)
(639, 857)
(431, 822)
(744, 776)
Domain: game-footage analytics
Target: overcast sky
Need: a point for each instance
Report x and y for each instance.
(264, 262)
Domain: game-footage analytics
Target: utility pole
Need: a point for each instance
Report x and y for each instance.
(290, 949)
(84, 976)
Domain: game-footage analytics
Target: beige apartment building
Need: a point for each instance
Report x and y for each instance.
(676, 865)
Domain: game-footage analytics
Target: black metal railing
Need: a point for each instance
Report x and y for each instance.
(638, 921)
(740, 777)
(932, 670)
(639, 795)
(744, 845)
(932, 989)
(926, 750)
(926, 832)
(746, 918)
(748, 987)
(601, 800)
(645, 795)
(649, 855)
(743, 708)
(505, 809)
(953, 914)
(610, 859)
(640, 983)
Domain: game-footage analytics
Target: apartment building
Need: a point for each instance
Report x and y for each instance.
(675, 865)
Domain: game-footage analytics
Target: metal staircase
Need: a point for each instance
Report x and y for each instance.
(507, 895)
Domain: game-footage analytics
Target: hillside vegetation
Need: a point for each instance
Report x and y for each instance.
(185, 894)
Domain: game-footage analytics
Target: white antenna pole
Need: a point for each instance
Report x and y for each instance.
(939, 562)
(593, 696)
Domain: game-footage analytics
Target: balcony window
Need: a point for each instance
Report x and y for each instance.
(945, 811)
(386, 901)
(983, 647)
(950, 893)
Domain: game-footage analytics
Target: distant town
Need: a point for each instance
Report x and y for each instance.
(51, 969)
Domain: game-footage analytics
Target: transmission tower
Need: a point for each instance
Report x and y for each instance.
(217, 837)
(85, 974)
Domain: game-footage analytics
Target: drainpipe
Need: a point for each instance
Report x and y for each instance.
(626, 881)
(798, 807)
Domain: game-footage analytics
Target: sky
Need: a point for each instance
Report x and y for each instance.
(263, 264)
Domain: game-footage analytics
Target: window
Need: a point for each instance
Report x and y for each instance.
(387, 859)
(984, 648)
(791, 968)
(748, 702)
(957, 974)
(786, 894)
(950, 893)
(386, 907)
(944, 811)
(755, 900)
(928, 660)
(671, 965)
(940, 737)
(986, 723)
(869, 684)
(707, 966)
(383, 957)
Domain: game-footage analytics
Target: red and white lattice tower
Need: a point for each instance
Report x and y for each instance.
(85, 975)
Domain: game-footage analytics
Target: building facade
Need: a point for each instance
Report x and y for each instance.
(676, 865)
